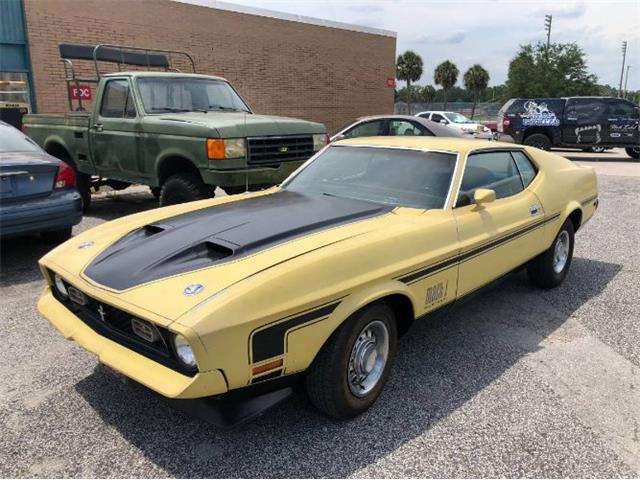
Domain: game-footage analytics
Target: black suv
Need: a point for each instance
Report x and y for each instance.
(589, 123)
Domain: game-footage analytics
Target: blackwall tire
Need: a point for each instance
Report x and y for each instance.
(549, 269)
(184, 187)
(351, 369)
(633, 152)
(538, 140)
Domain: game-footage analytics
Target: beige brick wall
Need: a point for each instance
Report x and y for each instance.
(329, 75)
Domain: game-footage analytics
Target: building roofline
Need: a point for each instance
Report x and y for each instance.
(263, 12)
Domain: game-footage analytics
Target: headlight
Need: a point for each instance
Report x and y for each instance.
(184, 351)
(320, 141)
(226, 148)
(62, 290)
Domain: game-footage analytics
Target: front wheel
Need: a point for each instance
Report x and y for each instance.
(538, 140)
(550, 268)
(633, 152)
(352, 367)
(184, 187)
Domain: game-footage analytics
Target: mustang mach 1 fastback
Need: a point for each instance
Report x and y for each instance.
(314, 280)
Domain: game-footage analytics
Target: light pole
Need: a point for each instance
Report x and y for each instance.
(626, 79)
(547, 27)
(624, 56)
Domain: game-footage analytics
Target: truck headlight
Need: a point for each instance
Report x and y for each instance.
(226, 148)
(184, 351)
(59, 284)
(320, 141)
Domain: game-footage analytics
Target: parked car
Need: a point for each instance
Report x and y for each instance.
(394, 125)
(37, 191)
(589, 123)
(314, 280)
(181, 134)
(456, 120)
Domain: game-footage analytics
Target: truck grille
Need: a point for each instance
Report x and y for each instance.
(273, 150)
(115, 324)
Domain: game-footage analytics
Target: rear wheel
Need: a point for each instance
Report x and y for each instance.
(83, 183)
(352, 367)
(633, 152)
(184, 187)
(549, 269)
(538, 140)
(57, 236)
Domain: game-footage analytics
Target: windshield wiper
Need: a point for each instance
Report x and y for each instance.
(170, 109)
(228, 109)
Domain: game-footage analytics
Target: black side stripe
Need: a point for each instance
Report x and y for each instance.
(270, 342)
(451, 261)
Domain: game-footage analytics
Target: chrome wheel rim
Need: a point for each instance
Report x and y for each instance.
(368, 358)
(561, 252)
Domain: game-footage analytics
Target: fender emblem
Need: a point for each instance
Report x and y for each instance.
(193, 289)
(86, 244)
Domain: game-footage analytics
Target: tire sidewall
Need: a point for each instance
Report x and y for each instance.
(559, 277)
(538, 140)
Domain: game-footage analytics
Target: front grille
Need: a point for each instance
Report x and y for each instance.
(115, 324)
(273, 150)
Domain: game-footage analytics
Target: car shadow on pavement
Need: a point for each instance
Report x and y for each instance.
(442, 363)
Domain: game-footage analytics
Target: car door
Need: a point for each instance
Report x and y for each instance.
(115, 137)
(501, 235)
(585, 121)
(623, 119)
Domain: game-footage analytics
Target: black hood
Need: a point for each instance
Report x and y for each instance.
(216, 234)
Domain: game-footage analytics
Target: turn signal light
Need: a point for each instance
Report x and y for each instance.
(265, 367)
(215, 148)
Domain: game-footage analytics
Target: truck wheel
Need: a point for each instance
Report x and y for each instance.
(549, 269)
(633, 152)
(83, 182)
(597, 149)
(184, 187)
(538, 140)
(350, 370)
(57, 236)
(155, 191)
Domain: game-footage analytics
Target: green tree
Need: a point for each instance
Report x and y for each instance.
(426, 93)
(476, 80)
(446, 75)
(561, 70)
(409, 69)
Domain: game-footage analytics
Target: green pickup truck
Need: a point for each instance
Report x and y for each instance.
(183, 134)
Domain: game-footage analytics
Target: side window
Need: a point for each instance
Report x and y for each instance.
(405, 127)
(368, 129)
(586, 109)
(493, 170)
(117, 101)
(525, 167)
(436, 117)
(425, 115)
(622, 110)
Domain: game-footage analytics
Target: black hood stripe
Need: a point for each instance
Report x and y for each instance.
(212, 235)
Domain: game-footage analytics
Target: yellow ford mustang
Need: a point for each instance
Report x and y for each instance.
(313, 281)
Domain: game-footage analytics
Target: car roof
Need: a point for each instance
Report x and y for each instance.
(162, 74)
(451, 144)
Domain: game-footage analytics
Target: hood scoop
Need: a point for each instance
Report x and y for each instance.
(212, 235)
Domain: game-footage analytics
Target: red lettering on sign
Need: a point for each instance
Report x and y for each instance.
(80, 92)
(391, 82)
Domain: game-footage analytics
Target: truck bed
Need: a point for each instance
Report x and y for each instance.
(69, 119)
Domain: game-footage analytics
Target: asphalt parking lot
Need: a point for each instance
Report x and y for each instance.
(517, 382)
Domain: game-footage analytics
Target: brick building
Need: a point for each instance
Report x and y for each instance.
(281, 64)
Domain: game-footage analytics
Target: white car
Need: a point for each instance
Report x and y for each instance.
(456, 120)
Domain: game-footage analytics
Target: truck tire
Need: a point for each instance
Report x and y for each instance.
(538, 140)
(350, 371)
(549, 269)
(633, 152)
(184, 187)
(57, 236)
(155, 191)
(83, 183)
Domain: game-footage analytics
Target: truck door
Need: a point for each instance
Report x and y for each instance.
(585, 121)
(114, 136)
(623, 119)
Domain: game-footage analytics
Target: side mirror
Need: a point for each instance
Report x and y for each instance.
(483, 195)
(443, 122)
(338, 137)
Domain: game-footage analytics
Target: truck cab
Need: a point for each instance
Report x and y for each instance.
(183, 134)
(588, 123)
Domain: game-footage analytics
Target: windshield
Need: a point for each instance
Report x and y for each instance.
(457, 117)
(183, 94)
(401, 178)
(11, 140)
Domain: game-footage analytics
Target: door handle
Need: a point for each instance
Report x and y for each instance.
(98, 127)
(534, 209)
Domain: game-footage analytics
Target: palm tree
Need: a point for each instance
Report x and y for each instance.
(409, 69)
(427, 93)
(476, 80)
(446, 75)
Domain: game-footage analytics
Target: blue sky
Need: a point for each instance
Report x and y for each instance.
(489, 31)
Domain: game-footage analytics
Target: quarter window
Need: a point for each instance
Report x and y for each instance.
(493, 170)
(526, 169)
(117, 101)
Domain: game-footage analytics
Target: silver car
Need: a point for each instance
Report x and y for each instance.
(394, 125)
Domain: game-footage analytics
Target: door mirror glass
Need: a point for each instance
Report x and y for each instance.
(484, 195)
(443, 122)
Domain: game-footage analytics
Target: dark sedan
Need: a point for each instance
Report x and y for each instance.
(394, 125)
(37, 191)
